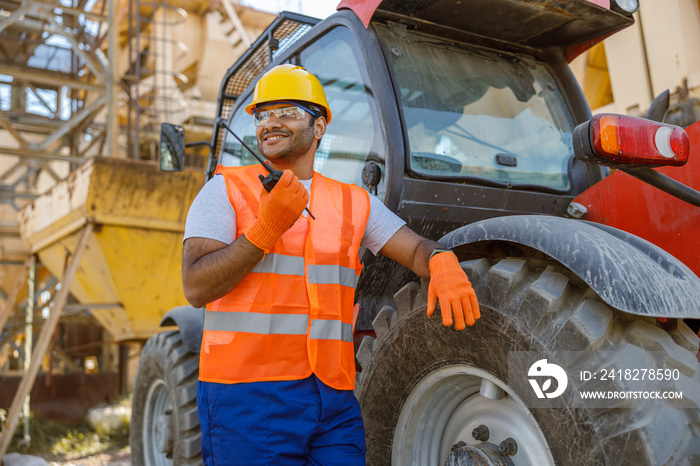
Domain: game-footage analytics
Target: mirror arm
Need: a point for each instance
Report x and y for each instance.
(664, 183)
(198, 143)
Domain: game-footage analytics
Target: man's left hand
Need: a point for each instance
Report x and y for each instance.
(450, 287)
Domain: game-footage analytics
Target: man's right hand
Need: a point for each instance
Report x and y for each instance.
(279, 209)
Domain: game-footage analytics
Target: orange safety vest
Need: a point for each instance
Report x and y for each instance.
(292, 315)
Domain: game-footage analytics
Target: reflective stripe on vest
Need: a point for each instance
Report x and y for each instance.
(292, 315)
(330, 330)
(332, 275)
(277, 324)
(280, 264)
(256, 322)
(318, 274)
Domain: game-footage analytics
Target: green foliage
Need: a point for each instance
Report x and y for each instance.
(74, 440)
(85, 441)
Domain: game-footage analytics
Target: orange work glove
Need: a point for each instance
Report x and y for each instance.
(450, 286)
(279, 209)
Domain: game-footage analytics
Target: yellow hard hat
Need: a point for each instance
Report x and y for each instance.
(289, 82)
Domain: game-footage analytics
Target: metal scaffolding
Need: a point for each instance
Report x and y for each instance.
(61, 85)
(56, 88)
(153, 84)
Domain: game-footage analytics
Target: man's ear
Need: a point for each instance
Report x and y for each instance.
(319, 127)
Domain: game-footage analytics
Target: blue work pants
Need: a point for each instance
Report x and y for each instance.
(297, 422)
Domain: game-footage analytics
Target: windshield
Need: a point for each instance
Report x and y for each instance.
(477, 113)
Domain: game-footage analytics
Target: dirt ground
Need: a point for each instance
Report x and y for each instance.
(120, 458)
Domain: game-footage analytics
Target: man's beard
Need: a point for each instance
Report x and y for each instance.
(297, 144)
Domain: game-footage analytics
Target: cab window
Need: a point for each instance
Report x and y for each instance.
(476, 113)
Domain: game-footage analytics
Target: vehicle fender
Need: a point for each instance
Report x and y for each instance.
(190, 321)
(627, 272)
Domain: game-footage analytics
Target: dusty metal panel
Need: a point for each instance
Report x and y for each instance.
(534, 23)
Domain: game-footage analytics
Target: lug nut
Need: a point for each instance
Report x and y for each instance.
(508, 447)
(457, 445)
(481, 433)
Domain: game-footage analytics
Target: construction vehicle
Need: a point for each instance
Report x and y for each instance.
(464, 118)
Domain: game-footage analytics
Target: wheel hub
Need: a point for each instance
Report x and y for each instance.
(157, 435)
(163, 433)
(461, 407)
(484, 454)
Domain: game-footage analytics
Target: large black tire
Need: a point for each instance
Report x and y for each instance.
(164, 422)
(526, 305)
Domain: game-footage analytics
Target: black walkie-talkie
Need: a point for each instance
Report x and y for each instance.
(269, 181)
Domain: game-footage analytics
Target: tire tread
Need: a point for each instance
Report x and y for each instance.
(164, 356)
(563, 315)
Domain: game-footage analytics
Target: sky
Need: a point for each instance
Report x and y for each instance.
(316, 8)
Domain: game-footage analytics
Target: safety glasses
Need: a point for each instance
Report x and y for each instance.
(294, 112)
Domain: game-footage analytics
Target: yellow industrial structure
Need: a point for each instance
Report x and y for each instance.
(84, 86)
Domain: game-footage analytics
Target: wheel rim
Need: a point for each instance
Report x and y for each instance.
(449, 403)
(157, 425)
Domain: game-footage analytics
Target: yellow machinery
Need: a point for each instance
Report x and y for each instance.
(129, 272)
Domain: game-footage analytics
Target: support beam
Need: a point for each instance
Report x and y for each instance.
(11, 171)
(52, 173)
(44, 340)
(70, 10)
(72, 123)
(6, 310)
(112, 130)
(29, 339)
(40, 156)
(88, 306)
(95, 139)
(77, 309)
(15, 134)
(236, 21)
(10, 194)
(53, 78)
(17, 14)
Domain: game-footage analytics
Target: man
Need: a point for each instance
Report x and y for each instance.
(277, 361)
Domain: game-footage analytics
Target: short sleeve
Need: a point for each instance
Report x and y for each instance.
(211, 214)
(381, 226)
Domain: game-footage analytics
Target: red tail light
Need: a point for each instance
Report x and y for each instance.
(627, 140)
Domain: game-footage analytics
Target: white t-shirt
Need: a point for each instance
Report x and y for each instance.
(211, 215)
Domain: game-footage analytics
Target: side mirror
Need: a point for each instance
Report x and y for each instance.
(171, 148)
